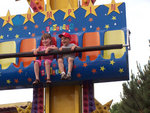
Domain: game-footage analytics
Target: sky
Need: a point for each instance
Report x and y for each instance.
(138, 22)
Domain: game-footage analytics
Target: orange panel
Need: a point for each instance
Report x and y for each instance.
(91, 39)
(27, 45)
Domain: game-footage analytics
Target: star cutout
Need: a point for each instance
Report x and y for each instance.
(29, 80)
(20, 71)
(69, 20)
(49, 14)
(16, 81)
(102, 68)
(90, 19)
(33, 35)
(25, 27)
(8, 81)
(84, 64)
(112, 62)
(53, 72)
(54, 65)
(98, 28)
(43, 32)
(113, 17)
(29, 16)
(93, 71)
(1, 37)
(90, 9)
(83, 29)
(78, 75)
(74, 66)
(76, 29)
(107, 26)
(17, 36)
(113, 7)
(69, 11)
(36, 26)
(102, 108)
(121, 70)
(10, 28)
(54, 33)
(7, 19)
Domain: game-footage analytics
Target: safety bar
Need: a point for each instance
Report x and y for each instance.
(64, 51)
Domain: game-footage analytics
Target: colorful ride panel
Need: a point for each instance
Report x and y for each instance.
(89, 26)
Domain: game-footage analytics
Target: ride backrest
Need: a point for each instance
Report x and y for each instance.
(91, 39)
(27, 45)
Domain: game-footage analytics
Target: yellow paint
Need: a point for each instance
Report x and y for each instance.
(90, 9)
(26, 110)
(47, 100)
(114, 37)
(29, 16)
(6, 48)
(113, 7)
(7, 19)
(62, 4)
(65, 99)
(49, 13)
(69, 11)
(102, 108)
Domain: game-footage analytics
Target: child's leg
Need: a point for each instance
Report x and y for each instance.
(36, 70)
(61, 64)
(47, 67)
(70, 64)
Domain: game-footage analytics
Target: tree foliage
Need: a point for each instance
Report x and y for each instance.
(136, 93)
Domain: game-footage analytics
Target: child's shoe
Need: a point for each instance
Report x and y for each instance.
(36, 82)
(48, 81)
(63, 75)
(68, 76)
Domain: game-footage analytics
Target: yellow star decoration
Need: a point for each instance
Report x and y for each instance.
(8, 81)
(1, 37)
(49, 13)
(102, 108)
(107, 26)
(112, 62)
(7, 19)
(26, 110)
(10, 29)
(102, 68)
(113, 17)
(17, 36)
(113, 7)
(121, 70)
(69, 11)
(90, 9)
(28, 16)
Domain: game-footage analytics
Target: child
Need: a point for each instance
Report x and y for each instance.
(46, 40)
(65, 40)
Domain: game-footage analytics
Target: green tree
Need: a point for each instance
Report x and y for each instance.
(136, 93)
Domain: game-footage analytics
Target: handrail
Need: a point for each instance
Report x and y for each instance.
(64, 51)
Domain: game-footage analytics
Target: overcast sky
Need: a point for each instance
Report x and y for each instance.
(138, 21)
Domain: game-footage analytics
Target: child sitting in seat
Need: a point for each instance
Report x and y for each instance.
(46, 40)
(65, 40)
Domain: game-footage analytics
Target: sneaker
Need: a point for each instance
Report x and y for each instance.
(68, 76)
(36, 82)
(63, 76)
(48, 81)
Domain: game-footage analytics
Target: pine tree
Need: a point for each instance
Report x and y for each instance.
(136, 93)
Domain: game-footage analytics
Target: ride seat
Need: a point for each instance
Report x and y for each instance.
(114, 37)
(6, 48)
(74, 40)
(91, 39)
(27, 45)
